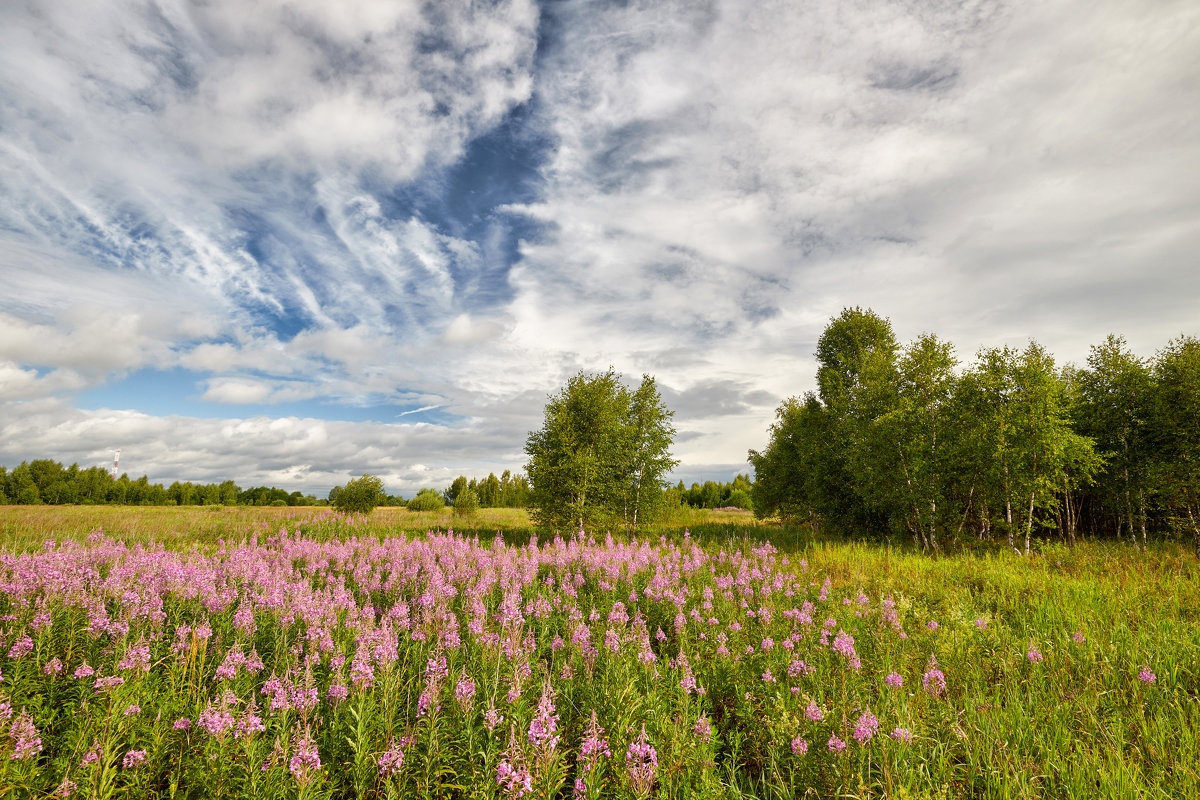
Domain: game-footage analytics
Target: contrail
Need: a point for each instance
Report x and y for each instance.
(417, 410)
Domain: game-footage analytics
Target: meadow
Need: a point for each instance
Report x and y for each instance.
(293, 653)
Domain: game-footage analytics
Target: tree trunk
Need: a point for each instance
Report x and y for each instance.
(1008, 525)
(1029, 522)
(1142, 516)
(1195, 531)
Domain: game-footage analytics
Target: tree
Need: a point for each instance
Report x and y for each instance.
(1177, 432)
(452, 491)
(466, 503)
(859, 385)
(913, 433)
(360, 496)
(427, 500)
(648, 452)
(1116, 394)
(601, 454)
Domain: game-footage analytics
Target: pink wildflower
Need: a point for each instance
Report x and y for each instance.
(702, 730)
(934, 680)
(866, 727)
(392, 759)
(799, 746)
(305, 761)
(27, 741)
(641, 761)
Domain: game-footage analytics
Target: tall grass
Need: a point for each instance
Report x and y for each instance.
(262, 655)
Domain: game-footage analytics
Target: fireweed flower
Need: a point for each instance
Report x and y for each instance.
(835, 745)
(799, 746)
(894, 680)
(21, 648)
(702, 730)
(66, 788)
(1146, 676)
(27, 741)
(814, 712)
(934, 679)
(513, 780)
(109, 682)
(1079, 637)
(132, 710)
(83, 671)
(464, 690)
(133, 759)
(902, 735)
(593, 748)
(216, 720)
(1034, 655)
(392, 759)
(305, 761)
(492, 718)
(250, 722)
(182, 724)
(866, 727)
(92, 755)
(641, 762)
(544, 724)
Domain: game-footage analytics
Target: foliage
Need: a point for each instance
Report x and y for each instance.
(49, 482)
(507, 491)
(427, 500)
(466, 503)
(601, 455)
(900, 440)
(360, 496)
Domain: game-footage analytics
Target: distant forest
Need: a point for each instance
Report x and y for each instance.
(46, 482)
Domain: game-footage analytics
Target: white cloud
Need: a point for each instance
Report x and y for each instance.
(223, 188)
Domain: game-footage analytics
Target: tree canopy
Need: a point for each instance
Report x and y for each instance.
(602, 454)
(359, 496)
(900, 440)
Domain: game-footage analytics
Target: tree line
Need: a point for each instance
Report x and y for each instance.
(43, 481)
(898, 440)
(714, 494)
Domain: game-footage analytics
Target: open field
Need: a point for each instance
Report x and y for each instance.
(310, 655)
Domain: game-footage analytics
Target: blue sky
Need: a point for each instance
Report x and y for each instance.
(288, 243)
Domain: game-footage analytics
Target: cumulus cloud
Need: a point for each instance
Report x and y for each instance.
(312, 201)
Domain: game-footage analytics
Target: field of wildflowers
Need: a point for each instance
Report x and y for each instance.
(340, 658)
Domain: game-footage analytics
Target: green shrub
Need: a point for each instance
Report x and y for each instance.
(466, 503)
(360, 496)
(426, 500)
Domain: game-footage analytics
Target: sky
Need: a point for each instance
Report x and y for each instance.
(287, 243)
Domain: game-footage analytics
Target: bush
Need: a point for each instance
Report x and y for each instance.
(466, 503)
(426, 500)
(360, 495)
(741, 499)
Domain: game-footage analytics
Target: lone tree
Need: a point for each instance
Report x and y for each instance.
(602, 454)
(360, 495)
